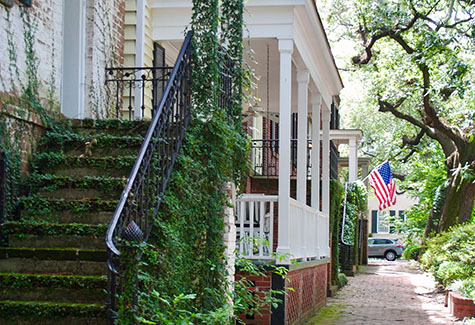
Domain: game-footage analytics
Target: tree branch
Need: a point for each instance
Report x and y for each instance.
(413, 141)
(399, 176)
(406, 157)
(447, 144)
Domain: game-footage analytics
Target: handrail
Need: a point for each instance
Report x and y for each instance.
(141, 197)
(130, 82)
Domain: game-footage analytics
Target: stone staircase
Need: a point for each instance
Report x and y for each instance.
(54, 268)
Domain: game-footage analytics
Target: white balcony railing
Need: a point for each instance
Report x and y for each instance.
(255, 214)
(255, 225)
(308, 232)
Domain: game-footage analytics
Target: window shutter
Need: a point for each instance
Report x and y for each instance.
(374, 221)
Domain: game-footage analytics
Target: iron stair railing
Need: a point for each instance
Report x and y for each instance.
(141, 198)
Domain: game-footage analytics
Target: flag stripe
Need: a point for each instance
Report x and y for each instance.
(382, 182)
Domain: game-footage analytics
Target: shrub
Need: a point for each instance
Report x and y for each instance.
(465, 287)
(450, 271)
(411, 252)
(342, 280)
(449, 256)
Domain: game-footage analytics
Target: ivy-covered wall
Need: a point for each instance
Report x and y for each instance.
(183, 275)
(30, 39)
(31, 43)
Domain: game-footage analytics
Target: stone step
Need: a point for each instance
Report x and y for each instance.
(80, 193)
(46, 313)
(94, 144)
(52, 287)
(57, 241)
(61, 164)
(111, 126)
(53, 235)
(91, 217)
(45, 206)
(69, 187)
(53, 260)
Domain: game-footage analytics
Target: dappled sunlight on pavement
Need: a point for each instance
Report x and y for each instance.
(387, 293)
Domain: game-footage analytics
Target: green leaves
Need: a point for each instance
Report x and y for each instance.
(450, 255)
(183, 272)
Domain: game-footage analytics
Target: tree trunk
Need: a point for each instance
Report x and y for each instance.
(436, 211)
(458, 203)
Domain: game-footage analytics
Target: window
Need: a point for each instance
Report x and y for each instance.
(385, 222)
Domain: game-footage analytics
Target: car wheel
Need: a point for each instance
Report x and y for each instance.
(390, 255)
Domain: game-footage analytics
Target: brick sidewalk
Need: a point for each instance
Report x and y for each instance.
(387, 293)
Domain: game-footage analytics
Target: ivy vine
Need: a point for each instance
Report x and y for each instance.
(183, 271)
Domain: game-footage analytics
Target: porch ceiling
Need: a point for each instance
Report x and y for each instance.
(266, 21)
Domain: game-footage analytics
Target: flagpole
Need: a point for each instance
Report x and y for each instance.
(364, 178)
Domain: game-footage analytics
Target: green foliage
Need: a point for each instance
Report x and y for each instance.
(23, 281)
(449, 256)
(246, 301)
(51, 182)
(414, 62)
(336, 200)
(411, 251)
(465, 287)
(356, 203)
(47, 160)
(47, 310)
(49, 229)
(11, 156)
(342, 280)
(41, 205)
(185, 249)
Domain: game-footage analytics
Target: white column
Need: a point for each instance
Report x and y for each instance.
(302, 80)
(325, 250)
(139, 56)
(352, 161)
(316, 102)
(326, 161)
(286, 47)
(73, 90)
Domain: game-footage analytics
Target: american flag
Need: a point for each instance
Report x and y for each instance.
(381, 180)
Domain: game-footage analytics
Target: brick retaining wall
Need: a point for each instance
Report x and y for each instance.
(460, 306)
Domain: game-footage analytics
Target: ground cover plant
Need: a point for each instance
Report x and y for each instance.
(450, 257)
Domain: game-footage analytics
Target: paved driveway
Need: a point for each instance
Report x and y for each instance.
(387, 293)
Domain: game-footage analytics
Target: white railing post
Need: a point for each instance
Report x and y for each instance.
(316, 102)
(303, 78)
(352, 161)
(285, 49)
(326, 177)
(261, 212)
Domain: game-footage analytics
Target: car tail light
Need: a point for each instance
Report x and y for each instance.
(399, 246)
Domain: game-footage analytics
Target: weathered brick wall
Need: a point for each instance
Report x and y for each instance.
(44, 21)
(42, 24)
(23, 128)
(460, 306)
(262, 284)
(105, 48)
(309, 292)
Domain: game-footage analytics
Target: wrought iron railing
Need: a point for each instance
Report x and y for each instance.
(334, 154)
(141, 198)
(128, 84)
(265, 157)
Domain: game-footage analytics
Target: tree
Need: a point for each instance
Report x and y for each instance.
(419, 54)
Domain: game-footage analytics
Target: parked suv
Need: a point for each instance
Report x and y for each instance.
(384, 247)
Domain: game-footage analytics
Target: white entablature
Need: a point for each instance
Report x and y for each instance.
(266, 21)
